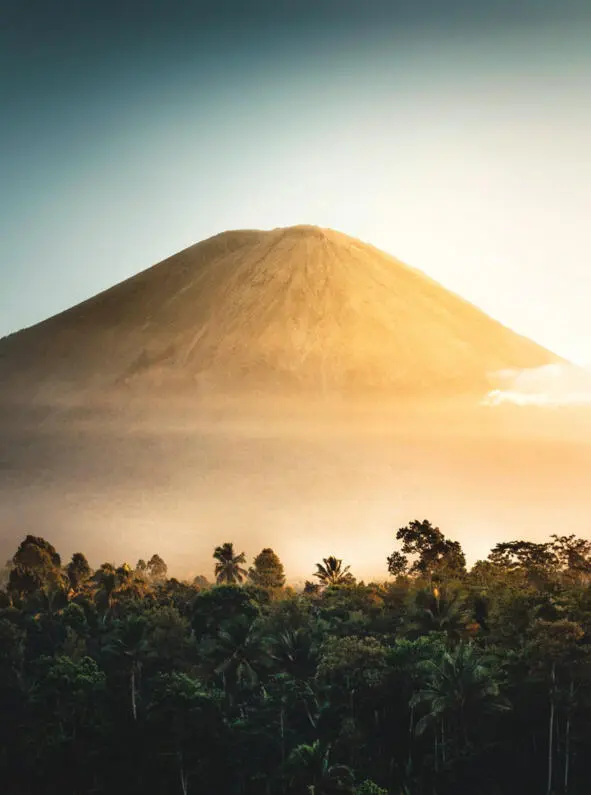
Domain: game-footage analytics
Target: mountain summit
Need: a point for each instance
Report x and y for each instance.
(287, 309)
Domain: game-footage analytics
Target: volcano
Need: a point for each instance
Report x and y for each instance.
(252, 388)
(300, 308)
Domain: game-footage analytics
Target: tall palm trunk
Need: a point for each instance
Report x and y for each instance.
(551, 729)
(436, 733)
(183, 776)
(567, 737)
(282, 729)
(108, 608)
(311, 717)
(410, 737)
(133, 693)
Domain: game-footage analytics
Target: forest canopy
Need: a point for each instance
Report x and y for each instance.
(440, 680)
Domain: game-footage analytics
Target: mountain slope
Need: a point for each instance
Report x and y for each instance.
(295, 308)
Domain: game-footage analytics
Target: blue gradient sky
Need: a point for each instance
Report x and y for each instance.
(455, 135)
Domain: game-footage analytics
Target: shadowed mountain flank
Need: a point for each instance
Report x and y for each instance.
(291, 309)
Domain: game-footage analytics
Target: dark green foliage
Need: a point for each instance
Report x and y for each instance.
(397, 563)
(12, 648)
(229, 567)
(156, 568)
(78, 570)
(440, 681)
(332, 572)
(215, 607)
(311, 771)
(185, 722)
(352, 663)
(433, 555)
(370, 788)
(439, 609)
(35, 565)
(36, 553)
(535, 561)
(267, 571)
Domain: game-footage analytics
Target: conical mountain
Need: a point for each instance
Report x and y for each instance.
(288, 309)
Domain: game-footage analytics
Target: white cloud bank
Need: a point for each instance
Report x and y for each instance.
(551, 385)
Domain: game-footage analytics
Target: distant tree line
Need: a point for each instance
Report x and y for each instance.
(442, 680)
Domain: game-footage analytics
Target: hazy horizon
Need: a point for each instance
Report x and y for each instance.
(309, 483)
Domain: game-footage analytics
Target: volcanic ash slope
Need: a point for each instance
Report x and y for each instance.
(300, 308)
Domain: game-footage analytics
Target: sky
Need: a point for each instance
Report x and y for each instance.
(456, 136)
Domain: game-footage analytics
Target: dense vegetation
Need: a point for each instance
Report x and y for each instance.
(438, 682)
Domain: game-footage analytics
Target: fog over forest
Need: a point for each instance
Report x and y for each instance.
(308, 481)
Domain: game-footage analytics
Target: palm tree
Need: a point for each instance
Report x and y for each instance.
(228, 567)
(129, 641)
(244, 654)
(296, 655)
(460, 687)
(310, 771)
(106, 583)
(296, 652)
(437, 610)
(331, 572)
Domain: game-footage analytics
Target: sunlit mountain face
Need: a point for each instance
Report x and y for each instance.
(294, 388)
(292, 309)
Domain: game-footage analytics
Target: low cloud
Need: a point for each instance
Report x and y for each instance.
(551, 385)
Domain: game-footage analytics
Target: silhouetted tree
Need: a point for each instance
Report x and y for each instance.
(188, 723)
(555, 647)
(267, 571)
(157, 568)
(535, 560)
(229, 566)
(573, 557)
(244, 654)
(439, 610)
(432, 555)
(213, 608)
(35, 565)
(461, 687)
(397, 563)
(332, 572)
(78, 571)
